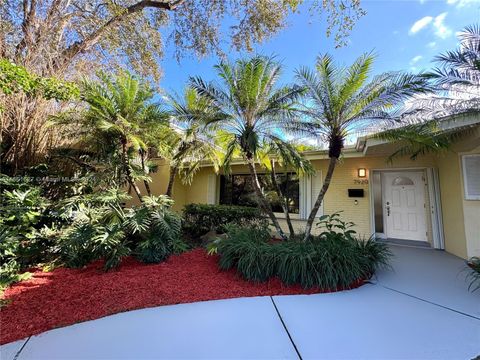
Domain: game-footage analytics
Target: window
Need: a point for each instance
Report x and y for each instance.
(471, 176)
(402, 180)
(238, 190)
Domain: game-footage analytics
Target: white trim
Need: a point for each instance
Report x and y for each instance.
(372, 206)
(464, 173)
(433, 184)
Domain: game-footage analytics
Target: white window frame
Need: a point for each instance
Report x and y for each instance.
(465, 180)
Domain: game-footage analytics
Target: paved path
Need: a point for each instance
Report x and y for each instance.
(422, 310)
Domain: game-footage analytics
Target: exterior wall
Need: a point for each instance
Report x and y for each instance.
(159, 185)
(452, 206)
(471, 211)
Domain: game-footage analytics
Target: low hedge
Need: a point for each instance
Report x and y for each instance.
(328, 262)
(202, 218)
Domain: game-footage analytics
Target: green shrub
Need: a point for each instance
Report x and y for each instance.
(25, 225)
(202, 218)
(156, 230)
(102, 229)
(332, 260)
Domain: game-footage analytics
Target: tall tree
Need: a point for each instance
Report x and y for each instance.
(251, 110)
(69, 38)
(343, 101)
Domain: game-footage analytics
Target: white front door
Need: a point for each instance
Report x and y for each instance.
(404, 205)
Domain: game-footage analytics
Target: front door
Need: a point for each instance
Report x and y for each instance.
(404, 205)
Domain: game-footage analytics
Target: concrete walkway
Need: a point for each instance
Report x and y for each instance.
(421, 310)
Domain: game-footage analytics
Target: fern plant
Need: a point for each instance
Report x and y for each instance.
(101, 229)
(155, 229)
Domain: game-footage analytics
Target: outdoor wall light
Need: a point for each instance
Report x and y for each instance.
(362, 172)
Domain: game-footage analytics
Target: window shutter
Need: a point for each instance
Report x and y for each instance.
(471, 176)
(305, 185)
(212, 189)
(310, 187)
(316, 188)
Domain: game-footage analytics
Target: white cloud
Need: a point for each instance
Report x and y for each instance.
(431, 44)
(416, 59)
(420, 24)
(461, 3)
(441, 30)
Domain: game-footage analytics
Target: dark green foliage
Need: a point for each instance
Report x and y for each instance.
(25, 228)
(102, 229)
(474, 274)
(95, 229)
(330, 261)
(161, 238)
(16, 79)
(202, 218)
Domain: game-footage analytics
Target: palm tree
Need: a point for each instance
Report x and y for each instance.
(342, 101)
(189, 143)
(250, 109)
(273, 156)
(119, 126)
(457, 81)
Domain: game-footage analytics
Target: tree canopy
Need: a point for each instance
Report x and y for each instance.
(51, 36)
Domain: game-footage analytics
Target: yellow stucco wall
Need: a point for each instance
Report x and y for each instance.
(471, 211)
(452, 206)
(159, 185)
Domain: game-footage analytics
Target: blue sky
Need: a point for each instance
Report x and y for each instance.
(405, 35)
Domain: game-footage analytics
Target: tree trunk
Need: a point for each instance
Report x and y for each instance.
(128, 171)
(283, 200)
(171, 180)
(321, 195)
(145, 182)
(263, 201)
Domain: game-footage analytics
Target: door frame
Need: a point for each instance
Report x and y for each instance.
(434, 214)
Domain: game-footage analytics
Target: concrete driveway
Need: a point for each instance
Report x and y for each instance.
(421, 310)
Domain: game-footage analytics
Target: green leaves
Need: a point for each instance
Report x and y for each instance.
(202, 218)
(343, 101)
(418, 139)
(15, 79)
(326, 262)
(101, 229)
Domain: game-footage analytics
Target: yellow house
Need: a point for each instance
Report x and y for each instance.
(432, 201)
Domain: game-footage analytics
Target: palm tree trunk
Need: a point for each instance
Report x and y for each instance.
(283, 200)
(263, 201)
(171, 180)
(321, 195)
(128, 170)
(145, 182)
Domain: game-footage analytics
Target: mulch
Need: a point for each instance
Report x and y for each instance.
(68, 296)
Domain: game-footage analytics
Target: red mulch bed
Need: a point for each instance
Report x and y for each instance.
(68, 296)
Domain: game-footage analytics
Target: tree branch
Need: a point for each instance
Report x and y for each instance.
(92, 39)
